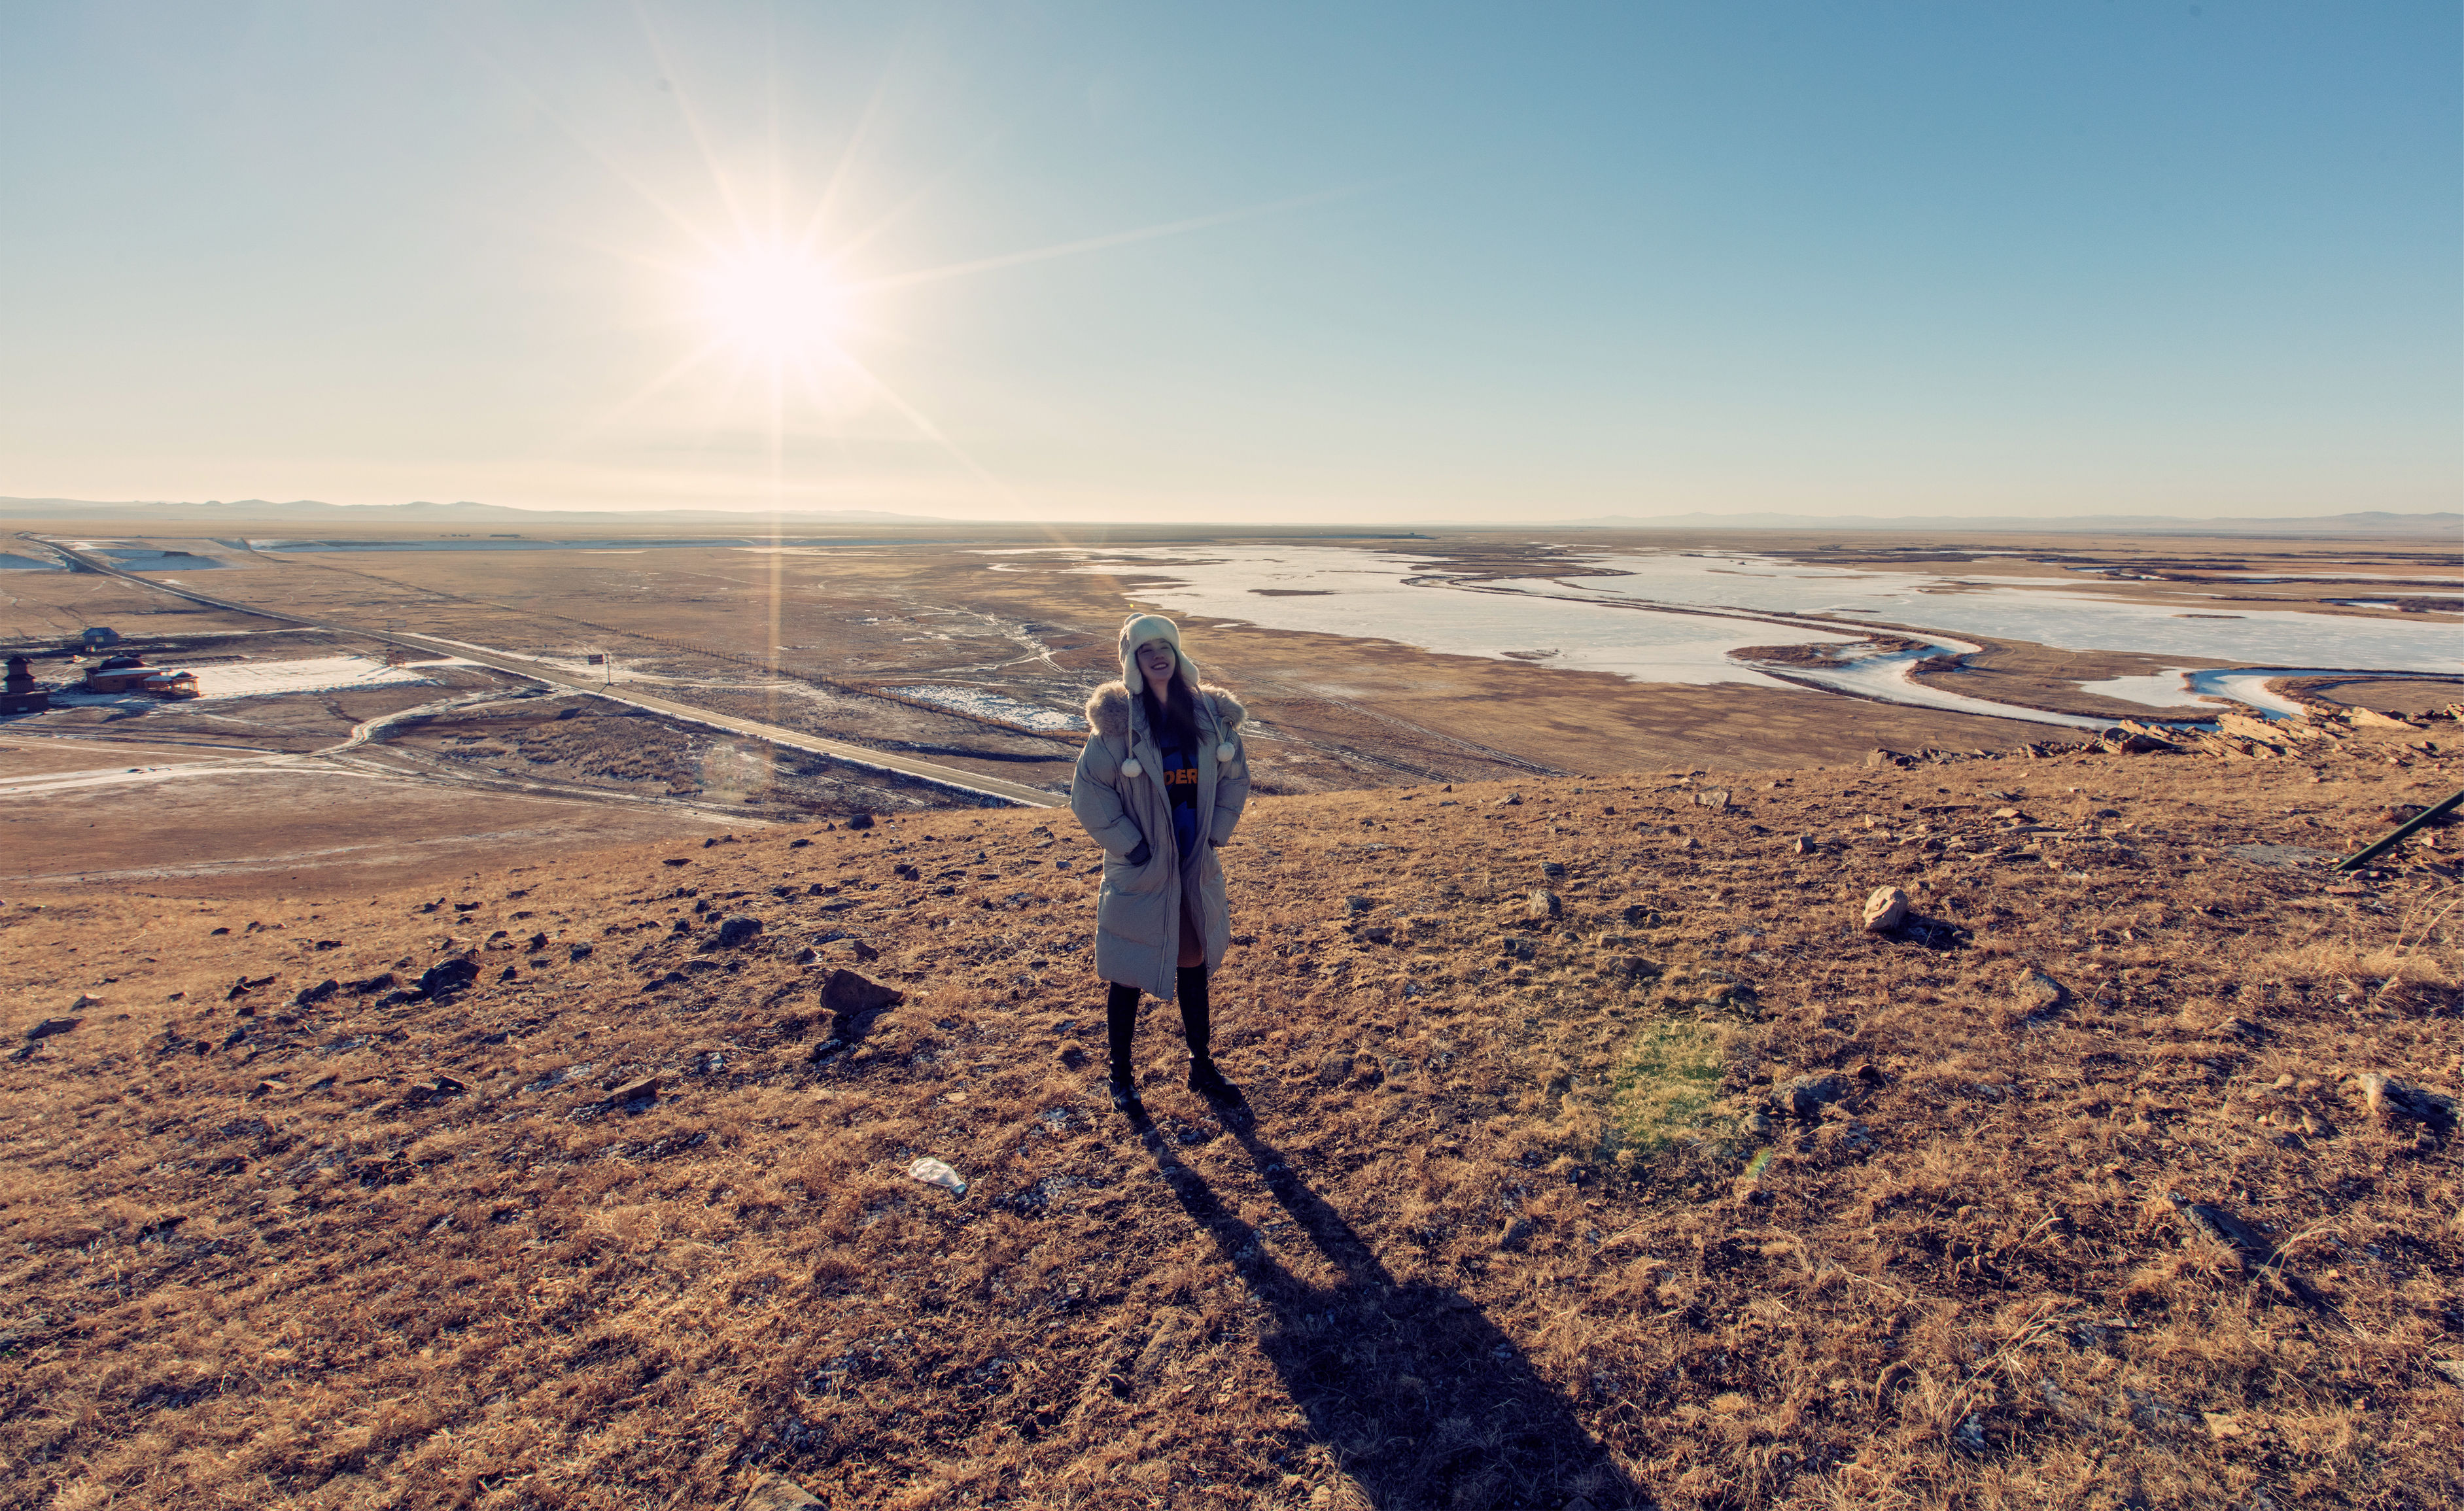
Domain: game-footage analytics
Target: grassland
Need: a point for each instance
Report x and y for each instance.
(1669, 1186)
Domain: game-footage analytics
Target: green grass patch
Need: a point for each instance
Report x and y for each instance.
(1666, 1083)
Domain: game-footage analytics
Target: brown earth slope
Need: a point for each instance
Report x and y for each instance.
(1680, 1190)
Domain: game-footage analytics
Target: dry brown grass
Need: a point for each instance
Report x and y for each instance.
(1474, 1251)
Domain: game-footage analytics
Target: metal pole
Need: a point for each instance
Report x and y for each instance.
(2403, 831)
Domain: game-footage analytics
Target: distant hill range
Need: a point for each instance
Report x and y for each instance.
(309, 511)
(2375, 522)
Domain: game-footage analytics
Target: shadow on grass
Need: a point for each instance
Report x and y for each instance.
(1424, 1402)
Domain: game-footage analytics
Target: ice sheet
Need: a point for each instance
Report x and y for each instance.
(2180, 686)
(1372, 595)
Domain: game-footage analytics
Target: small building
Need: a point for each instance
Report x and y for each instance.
(21, 693)
(99, 636)
(128, 672)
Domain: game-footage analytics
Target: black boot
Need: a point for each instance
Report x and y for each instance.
(1204, 1078)
(1121, 1026)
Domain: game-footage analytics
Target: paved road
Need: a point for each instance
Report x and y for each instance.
(956, 777)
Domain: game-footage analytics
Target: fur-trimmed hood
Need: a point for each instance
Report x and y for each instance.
(1107, 708)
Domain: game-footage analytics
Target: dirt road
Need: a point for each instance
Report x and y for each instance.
(954, 777)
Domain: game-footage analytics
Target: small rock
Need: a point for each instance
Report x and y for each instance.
(55, 1026)
(645, 1089)
(448, 976)
(578, 951)
(1380, 933)
(739, 930)
(536, 942)
(848, 994)
(2395, 1102)
(906, 872)
(1072, 1054)
(1806, 1096)
(1357, 904)
(2038, 993)
(1553, 868)
(934, 1172)
(1517, 1235)
(1715, 799)
(861, 821)
(807, 955)
(310, 997)
(2452, 1369)
(1885, 757)
(779, 1493)
(1334, 1070)
(1757, 1125)
(2313, 1125)
(270, 1089)
(1545, 904)
(1512, 800)
(1885, 909)
(84, 1001)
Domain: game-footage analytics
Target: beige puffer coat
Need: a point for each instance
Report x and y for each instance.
(1138, 914)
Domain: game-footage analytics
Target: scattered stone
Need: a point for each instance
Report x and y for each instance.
(448, 976)
(850, 995)
(270, 1089)
(2374, 719)
(798, 844)
(1806, 1096)
(807, 955)
(778, 1491)
(2452, 1369)
(310, 997)
(645, 1089)
(934, 1172)
(738, 930)
(2395, 1102)
(906, 872)
(677, 861)
(1878, 756)
(1512, 800)
(861, 821)
(1553, 868)
(1545, 904)
(1380, 933)
(1715, 799)
(1517, 1235)
(1334, 1070)
(1757, 1125)
(1637, 916)
(1072, 1054)
(55, 1025)
(535, 943)
(84, 1001)
(578, 951)
(2038, 993)
(1885, 909)
(1357, 904)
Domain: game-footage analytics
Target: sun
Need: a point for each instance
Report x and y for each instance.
(775, 303)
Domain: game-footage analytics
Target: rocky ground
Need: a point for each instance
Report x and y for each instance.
(1597, 1157)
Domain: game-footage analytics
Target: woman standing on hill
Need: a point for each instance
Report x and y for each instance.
(1160, 784)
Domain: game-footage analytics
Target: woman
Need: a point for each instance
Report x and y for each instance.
(1160, 784)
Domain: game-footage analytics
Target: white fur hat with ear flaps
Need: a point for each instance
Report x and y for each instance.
(1139, 628)
(1135, 631)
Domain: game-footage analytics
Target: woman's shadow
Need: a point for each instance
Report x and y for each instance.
(1423, 1401)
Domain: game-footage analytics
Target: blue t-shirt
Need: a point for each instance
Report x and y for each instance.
(1181, 785)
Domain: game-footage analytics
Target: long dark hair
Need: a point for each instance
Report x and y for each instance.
(1179, 715)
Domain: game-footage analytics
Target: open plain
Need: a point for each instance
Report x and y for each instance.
(390, 1126)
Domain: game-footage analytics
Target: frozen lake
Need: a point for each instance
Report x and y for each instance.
(1679, 616)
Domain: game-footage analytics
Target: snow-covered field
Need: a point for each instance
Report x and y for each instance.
(257, 679)
(984, 704)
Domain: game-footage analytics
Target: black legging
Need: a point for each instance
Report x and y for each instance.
(1121, 1018)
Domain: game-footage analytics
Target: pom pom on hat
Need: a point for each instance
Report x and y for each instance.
(1224, 752)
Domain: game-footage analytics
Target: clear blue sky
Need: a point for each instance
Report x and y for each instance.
(1520, 261)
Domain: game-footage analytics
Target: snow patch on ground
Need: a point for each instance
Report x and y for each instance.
(985, 704)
